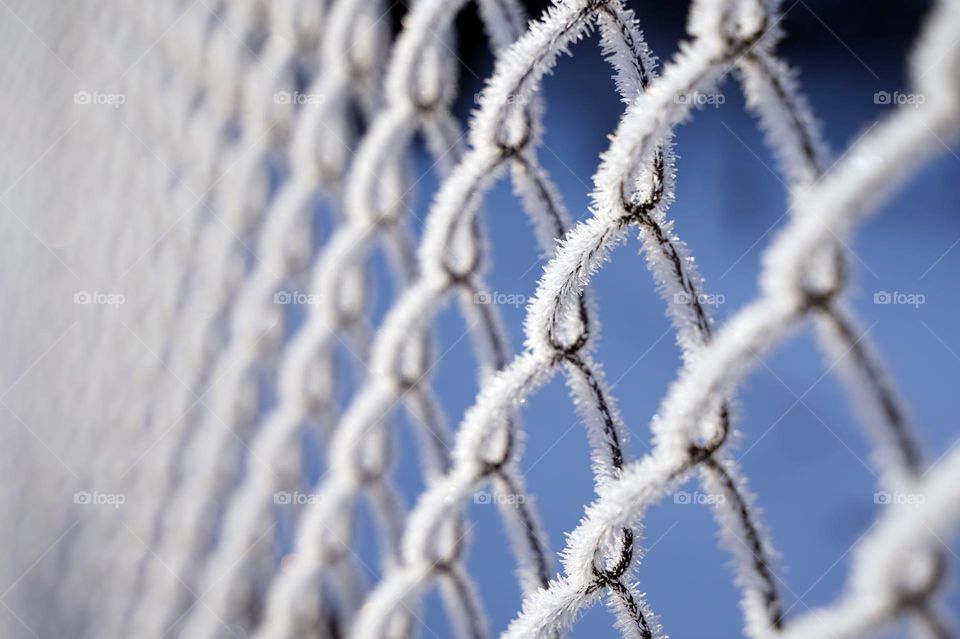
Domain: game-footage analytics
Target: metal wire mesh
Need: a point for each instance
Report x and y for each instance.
(330, 97)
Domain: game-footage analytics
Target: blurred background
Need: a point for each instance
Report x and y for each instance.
(800, 445)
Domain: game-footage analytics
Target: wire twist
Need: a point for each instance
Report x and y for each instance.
(264, 122)
(509, 135)
(825, 211)
(464, 262)
(566, 341)
(243, 561)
